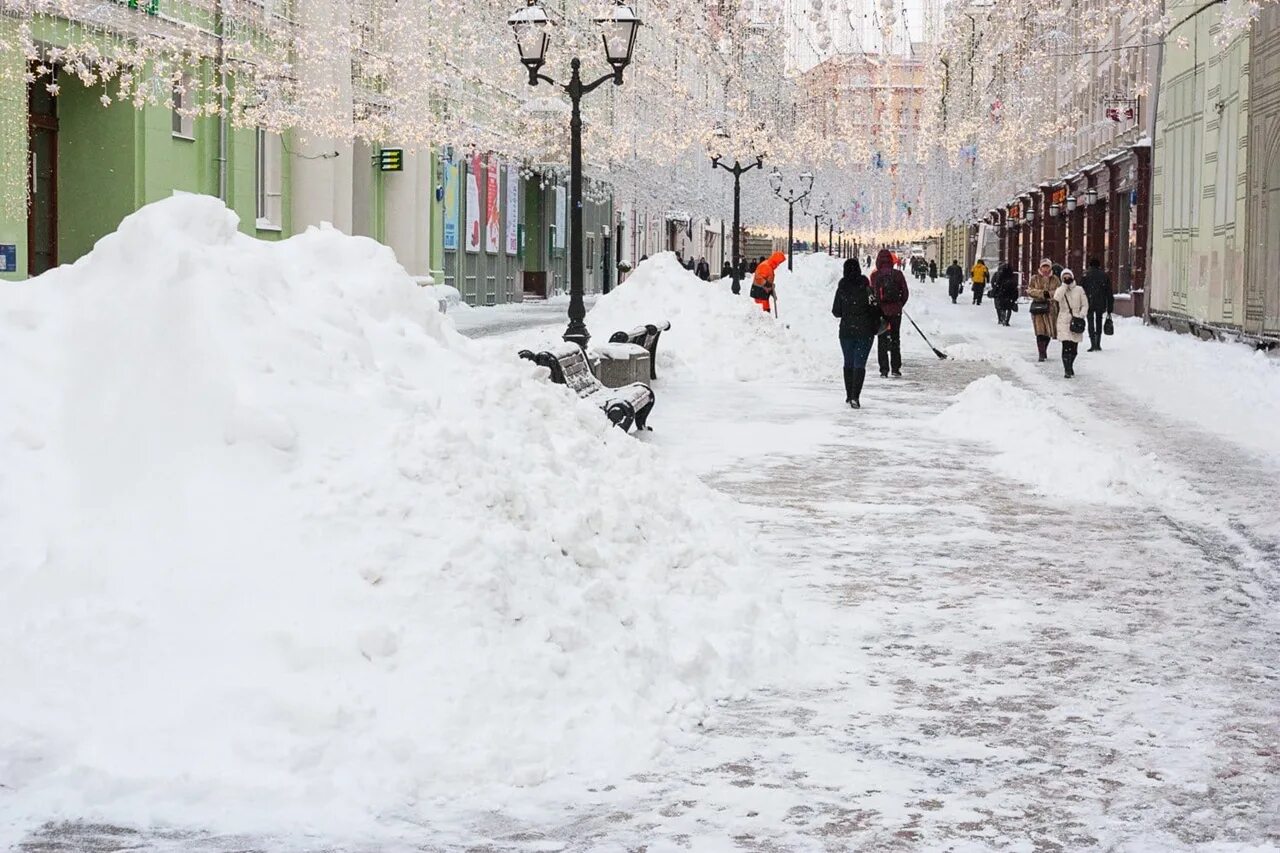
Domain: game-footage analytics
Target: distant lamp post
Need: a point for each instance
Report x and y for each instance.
(792, 195)
(1091, 196)
(618, 27)
(819, 212)
(1071, 204)
(1054, 210)
(719, 137)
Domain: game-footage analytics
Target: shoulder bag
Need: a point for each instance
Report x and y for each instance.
(1077, 323)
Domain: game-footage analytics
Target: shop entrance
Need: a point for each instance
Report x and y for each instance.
(42, 154)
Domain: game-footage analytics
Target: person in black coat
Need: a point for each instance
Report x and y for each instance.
(703, 270)
(933, 271)
(726, 270)
(955, 281)
(859, 317)
(1097, 287)
(1004, 291)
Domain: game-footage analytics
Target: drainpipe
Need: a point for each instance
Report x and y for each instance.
(1149, 279)
(221, 58)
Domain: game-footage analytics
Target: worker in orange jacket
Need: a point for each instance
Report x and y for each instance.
(762, 284)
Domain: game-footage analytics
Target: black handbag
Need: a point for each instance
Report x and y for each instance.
(1108, 327)
(1077, 323)
(1039, 307)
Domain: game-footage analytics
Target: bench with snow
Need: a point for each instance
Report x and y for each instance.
(568, 364)
(647, 337)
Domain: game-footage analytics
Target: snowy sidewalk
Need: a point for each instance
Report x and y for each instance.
(988, 664)
(1003, 669)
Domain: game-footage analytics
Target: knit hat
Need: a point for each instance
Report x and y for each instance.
(1067, 274)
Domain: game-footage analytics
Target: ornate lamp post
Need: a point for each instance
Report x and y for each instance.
(618, 26)
(737, 170)
(792, 195)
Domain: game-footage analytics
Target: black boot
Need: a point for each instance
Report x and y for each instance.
(848, 384)
(859, 376)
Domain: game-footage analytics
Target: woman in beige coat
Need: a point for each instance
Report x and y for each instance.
(1072, 304)
(1041, 288)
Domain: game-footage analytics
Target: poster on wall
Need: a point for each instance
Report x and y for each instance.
(513, 210)
(473, 204)
(492, 214)
(451, 207)
(560, 215)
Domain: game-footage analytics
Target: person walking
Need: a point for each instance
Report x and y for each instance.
(703, 270)
(859, 317)
(933, 271)
(1073, 306)
(889, 286)
(955, 281)
(979, 276)
(1004, 291)
(763, 284)
(1097, 287)
(726, 270)
(1041, 289)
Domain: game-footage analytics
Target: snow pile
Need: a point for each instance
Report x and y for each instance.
(716, 335)
(280, 550)
(1035, 445)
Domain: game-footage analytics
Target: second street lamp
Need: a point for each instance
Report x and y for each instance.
(737, 170)
(618, 25)
(791, 196)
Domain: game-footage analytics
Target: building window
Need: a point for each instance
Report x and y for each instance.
(270, 150)
(183, 110)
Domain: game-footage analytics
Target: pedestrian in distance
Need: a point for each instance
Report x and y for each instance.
(955, 281)
(889, 287)
(1102, 300)
(1004, 292)
(1073, 307)
(726, 270)
(762, 285)
(1057, 269)
(703, 270)
(933, 271)
(860, 316)
(979, 277)
(1041, 288)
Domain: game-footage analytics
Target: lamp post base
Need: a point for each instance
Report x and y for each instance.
(577, 334)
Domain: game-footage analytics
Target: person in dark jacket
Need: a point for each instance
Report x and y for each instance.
(933, 271)
(703, 270)
(889, 286)
(1004, 291)
(859, 320)
(1097, 286)
(726, 270)
(955, 281)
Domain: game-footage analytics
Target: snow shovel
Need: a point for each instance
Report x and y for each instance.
(939, 353)
(775, 306)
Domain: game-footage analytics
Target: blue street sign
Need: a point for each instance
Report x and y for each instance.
(8, 257)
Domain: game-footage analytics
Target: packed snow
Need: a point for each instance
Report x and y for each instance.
(717, 335)
(284, 552)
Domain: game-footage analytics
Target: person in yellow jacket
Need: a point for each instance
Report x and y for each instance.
(979, 275)
(762, 283)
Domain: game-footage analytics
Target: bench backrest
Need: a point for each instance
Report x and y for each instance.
(569, 366)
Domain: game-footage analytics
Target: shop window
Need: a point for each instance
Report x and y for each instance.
(183, 106)
(269, 179)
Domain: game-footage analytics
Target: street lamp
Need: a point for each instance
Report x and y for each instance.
(618, 27)
(1091, 196)
(720, 135)
(792, 195)
(819, 212)
(1071, 204)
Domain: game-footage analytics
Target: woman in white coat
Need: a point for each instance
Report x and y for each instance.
(1072, 305)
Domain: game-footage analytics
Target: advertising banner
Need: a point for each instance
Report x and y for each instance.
(473, 203)
(451, 207)
(513, 210)
(560, 216)
(493, 215)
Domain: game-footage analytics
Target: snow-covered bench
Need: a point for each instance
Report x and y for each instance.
(647, 337)
(624, 406)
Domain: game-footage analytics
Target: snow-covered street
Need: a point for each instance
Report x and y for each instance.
(1025, 614)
